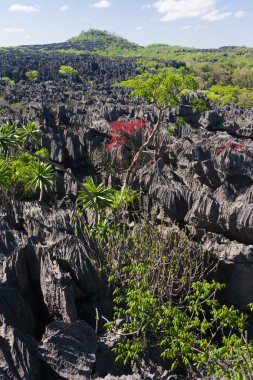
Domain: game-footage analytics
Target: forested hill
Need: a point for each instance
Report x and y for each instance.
(97, 39)
(100, 40)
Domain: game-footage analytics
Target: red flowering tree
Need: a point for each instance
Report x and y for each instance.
(228, 145)
(165, 90)
(121, 132)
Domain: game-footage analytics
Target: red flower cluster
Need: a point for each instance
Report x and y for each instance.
(223, 147)
(226, 145)
(122, 131)
(238, 147)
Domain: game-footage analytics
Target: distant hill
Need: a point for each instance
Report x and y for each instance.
(102, 42)
(101, 39)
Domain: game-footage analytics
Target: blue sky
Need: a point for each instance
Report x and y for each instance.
(198, 23)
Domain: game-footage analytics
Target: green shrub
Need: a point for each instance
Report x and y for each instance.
(162, 298)
(162, 249)
(105, 201)
(22, 171)
(230, 95)
(32, 75)
(67, 70)
(8, 80)
(197, 334)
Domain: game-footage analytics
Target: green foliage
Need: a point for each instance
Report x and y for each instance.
(172, 262)
(5, 174)
(164, 88)
(8, 137)
(19, 164)
(32, 75)
(105, 39)
(225, 66)
(106, 200)
(230, 95)
(199, 105)
(102, 197)
(243, 77)
(162, 298)
(29, 133)
(20, 170)
(8, 80)
(151, 65)
(180, 122)
(12, 137)
(198, 334)
(128, 351)
(67, 70)
(190, 336)
(43, 152)
(39, 176)
(24, 174)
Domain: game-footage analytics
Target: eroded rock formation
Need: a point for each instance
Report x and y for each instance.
(201, 176)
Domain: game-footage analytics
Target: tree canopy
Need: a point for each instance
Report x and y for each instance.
(32, 75)
(67, 70)
(164, 89)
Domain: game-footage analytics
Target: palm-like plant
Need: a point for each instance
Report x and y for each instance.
(8, 137)
(5, 174)
(101, 196)
(29, 133)
(40, 176)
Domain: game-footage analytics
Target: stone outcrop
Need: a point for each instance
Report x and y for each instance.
(201, 176)
(69, 349)
(47, 274)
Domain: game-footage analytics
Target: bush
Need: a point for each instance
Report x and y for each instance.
(162, 299)
(230, 95)
(32, 75)
(7, 80)
(67, 70)
(162, 249)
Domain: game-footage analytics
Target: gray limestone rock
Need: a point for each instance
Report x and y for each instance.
(18, 354)
(69, 349)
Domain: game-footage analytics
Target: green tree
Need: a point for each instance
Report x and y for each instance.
(40, 176)
(20, 163)
(32, 75)
(102, 197)
(243, 77)
(106, 200)
(67, 70)
(8, 137)
(29, 133)
(14, 139)
(5, 174)
(230, 95)
(165, 90)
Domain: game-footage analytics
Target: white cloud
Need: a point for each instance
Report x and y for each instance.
(139, 28)
(102, 4)
(187, 27)
(64, 8)
(14, 30)
(177, 9)
(240, 14)
(215, 15)
(146, 6)
(195, 28)
(23, 8)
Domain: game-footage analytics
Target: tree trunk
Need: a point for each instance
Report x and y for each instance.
(41, 194)
(141, 149)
